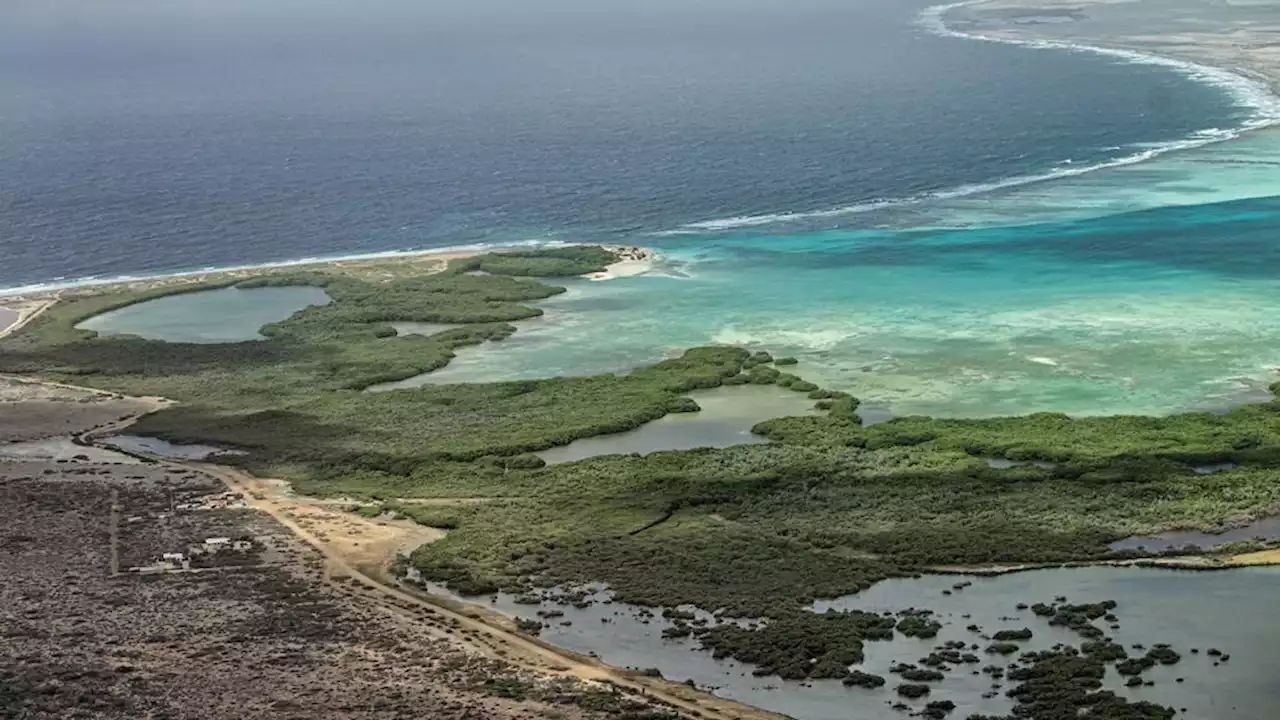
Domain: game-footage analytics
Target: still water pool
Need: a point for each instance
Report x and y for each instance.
(211, 316)
(1229, 610)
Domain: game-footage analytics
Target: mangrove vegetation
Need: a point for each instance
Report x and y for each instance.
(828, 508)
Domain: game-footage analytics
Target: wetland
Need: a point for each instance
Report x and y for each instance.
(762, 512)
(1195, 612)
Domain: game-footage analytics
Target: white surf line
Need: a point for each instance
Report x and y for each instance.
(44, 288)
(1246, 91)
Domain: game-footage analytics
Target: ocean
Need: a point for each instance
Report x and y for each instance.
(938, 224)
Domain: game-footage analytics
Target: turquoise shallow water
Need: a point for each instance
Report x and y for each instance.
(772, 153)
(1104, 301)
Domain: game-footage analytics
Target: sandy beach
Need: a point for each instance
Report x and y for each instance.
(8, 317)
(635, 261)
(18, 305)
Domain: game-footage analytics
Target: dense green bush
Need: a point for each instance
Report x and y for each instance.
(826, 510)
(800, 645)
(546, 262)
(1006, 635)
(857, 678)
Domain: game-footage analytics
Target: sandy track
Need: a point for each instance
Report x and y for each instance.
(357, 552)
(26, 313)
(478, 620)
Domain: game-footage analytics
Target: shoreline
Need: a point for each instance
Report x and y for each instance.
(1250, 85)
(1251, 82)
(634, 261)
(1255, 86)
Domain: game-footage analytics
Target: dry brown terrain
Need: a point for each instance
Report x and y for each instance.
(32, 411)
(305, 623)
(261, 633)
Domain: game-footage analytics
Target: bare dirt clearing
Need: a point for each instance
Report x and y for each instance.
(108, 603)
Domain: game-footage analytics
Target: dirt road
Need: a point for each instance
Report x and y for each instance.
(27, 312)
(358, 550)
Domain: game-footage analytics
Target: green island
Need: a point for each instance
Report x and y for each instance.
(827, 509)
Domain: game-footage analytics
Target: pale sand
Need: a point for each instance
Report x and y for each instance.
(16, 314)
(373, 268)
(636, 261)
(622, 269)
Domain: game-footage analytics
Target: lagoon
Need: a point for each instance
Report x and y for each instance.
(211, 316)
(726, 418)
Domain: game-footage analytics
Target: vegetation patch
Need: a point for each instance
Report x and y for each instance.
(547, 262)
(826, 510)
(1063, 684)
(802, 645)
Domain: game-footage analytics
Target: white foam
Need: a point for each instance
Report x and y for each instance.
(64, 284)
(770, 218)
(1246, 92)
(812, 338)
(1063, 171)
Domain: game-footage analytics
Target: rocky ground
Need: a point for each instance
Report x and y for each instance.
(33, 412)
(258, 633)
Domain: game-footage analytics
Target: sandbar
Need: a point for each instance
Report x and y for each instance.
(374, 267)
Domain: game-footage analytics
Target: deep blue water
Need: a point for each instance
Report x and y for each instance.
(155, 135)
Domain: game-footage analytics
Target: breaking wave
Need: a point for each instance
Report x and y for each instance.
(1246, 92)
(68, 283)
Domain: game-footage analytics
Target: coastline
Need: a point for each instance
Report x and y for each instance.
(1233, 59)
(477, 620)
(633, 261)
(1201, 56)
(1229, 55)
